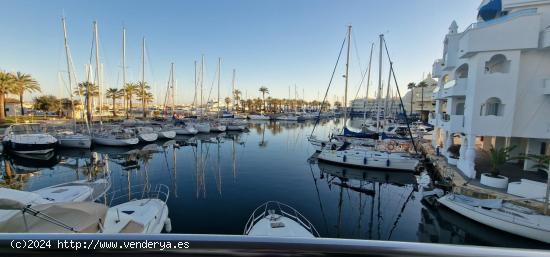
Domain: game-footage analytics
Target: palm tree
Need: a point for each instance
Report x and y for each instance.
(6, 86)
(411, 87)
(422, 85)
(113, 93)
(227, 101)
(237, 96)
(129, 90)
(89, 91)
(264, 91)
(23, 83)
(498, 157)
(143, 93)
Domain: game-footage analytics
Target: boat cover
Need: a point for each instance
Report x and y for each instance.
(349, 133)
(487, 203)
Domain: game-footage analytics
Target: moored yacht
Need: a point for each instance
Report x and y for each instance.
(146, 134)
(114, 136)
(275, 219)
(28, 139)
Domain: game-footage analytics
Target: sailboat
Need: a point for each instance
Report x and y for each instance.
(201, 125)
(28, 138)
(366, 157)
(71, 137)
(217, 125)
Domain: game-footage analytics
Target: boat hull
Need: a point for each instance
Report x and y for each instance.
(169, 134)
(218, 128)
(369, 161)
(236, 127)
(115, 142)
(258, 117)
(202, 127)
(487, 217)
(148, 137)
(84, 142)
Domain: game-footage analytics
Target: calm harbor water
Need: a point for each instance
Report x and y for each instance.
(217, 180)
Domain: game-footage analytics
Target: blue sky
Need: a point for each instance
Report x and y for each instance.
(275, 43)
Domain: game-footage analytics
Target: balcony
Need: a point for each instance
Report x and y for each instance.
(437, 68)
(452, 123)
(431, 119)
(456, 87)
(517, 30)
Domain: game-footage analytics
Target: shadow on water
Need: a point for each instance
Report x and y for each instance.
(217, 180)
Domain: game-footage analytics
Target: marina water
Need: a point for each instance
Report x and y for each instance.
(217, 180)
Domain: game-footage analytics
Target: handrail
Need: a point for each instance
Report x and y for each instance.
(139, 192)
(209, 245)
(298, 217)
(516, 14)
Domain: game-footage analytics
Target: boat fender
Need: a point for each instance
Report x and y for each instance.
(365, 160)
(168, 225)
(387, 162)
(345, 158)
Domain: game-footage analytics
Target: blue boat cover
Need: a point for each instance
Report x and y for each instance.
(490, 10)
(349, 133)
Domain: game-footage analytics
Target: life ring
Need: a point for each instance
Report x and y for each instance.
(390, 147)
(393, 142)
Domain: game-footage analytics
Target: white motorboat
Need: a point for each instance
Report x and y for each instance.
(501, 215)
(276, 219)
(202, 127)
(288, 117)
(146, 134)
(185, 129)
(76, 191)
(115, 136)
(28, 139)
(217, 127)
(240, 116)
(366, 157)
(146, 215)
(258, 117)
(71, 139)
(236, 125)
(164, 131)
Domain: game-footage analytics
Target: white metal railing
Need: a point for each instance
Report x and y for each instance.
(138, 192)
(484, 24)
(274, 207)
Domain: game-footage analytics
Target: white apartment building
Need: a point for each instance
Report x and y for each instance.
(421, 102)
(494, 83)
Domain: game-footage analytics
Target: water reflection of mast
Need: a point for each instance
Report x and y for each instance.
(319, 197)
(175, 184)
(234, 159)
(400, 213)
(219, 177)
(340, 203)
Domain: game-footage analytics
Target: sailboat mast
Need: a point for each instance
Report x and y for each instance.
(219, 67)
(143, 100)
(195, 94)
(379, 85)
(123, 56)
(386, 104)
(172, 87)
(68, 68)
(202, 82)
(233, 92)
(368, 84)
(97, 79)
(347, 74)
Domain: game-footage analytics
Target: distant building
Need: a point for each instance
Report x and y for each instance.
(494, 84)
(359, 106)
(418, 100)
(12, 107)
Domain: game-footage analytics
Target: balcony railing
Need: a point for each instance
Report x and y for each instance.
(484, 24)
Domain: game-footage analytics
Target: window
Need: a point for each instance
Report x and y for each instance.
(459, 109)
(493, 106)
(462, 71)
(497, 64)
